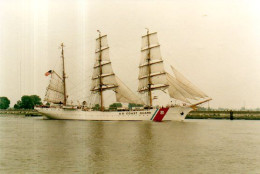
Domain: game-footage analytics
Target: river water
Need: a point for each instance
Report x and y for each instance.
(35, 145)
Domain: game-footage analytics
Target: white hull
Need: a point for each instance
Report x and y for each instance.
(177, 113)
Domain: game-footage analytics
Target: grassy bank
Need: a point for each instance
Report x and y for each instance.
(26, 112)
(239, 115)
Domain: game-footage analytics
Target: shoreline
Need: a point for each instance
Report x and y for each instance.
(25, 112)
(237, 115)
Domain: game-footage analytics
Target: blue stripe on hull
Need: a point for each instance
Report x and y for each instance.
(154, 114)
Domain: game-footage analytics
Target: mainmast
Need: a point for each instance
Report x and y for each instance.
(100, 73)
(149, 70)
(104, 79)
(152, 75)
(63, 74)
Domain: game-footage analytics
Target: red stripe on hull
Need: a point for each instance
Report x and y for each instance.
(160, 114)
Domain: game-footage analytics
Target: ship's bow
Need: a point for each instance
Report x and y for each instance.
(177, 113)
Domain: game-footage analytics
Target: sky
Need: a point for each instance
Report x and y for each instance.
(215, 44)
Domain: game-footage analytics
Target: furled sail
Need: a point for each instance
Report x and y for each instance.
(55, 89)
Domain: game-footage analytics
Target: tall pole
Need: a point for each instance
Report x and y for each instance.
(100, 73)
(63, 74)
(149, 70)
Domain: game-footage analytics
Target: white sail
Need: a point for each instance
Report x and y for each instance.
(107, 81)
(55, 89)
(176, 91)
(106, 69)
(155, 54)
(125, 95)
(102, 65)
(187, 85)
(151, 65)
(106, 76)
(155, 68)
(156, 79)
(182, 89)
(104, 53)
(153, 40)
(101, 42)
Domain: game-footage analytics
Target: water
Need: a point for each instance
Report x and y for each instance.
(34, 145)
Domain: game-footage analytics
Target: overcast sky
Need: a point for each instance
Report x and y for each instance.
(215, 44)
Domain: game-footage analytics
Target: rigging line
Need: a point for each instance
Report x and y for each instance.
(82, 88)
(80, 93)
(78, 70)
(81, 65)
(77, 93)
(76, 85)
(76, 90)
(85, 99)
(57, 59)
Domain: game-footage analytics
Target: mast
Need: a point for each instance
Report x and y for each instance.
(152, 75)
(104, 78)
(149, 70)
(63, 74)
(100, 72)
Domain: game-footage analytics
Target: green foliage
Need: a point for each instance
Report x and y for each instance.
(114, 106)
(199, 108)
(18, 105)
(36, 100)
(96, 107)
(4, 103)
(130, 105)
(28, 102)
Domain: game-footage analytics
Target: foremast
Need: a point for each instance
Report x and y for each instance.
(103, 76)
(152, 75)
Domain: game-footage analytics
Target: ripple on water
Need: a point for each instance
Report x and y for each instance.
(34, 145)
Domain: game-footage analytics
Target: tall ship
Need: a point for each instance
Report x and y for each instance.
(152, 77)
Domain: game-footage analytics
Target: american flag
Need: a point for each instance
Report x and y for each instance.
(48, 73)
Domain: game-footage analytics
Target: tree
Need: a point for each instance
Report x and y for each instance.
(18, 104)
(36, 100)
(4, 103)
(130, 105)
(28, 102)
(114, 106)
(96, 107)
